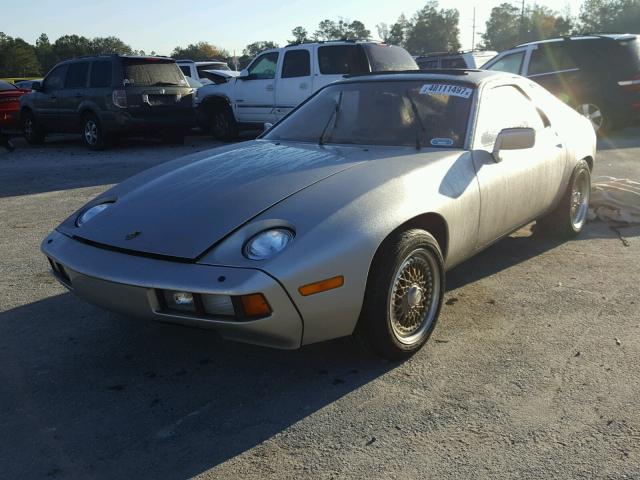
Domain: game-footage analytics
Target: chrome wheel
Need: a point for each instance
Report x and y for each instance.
(593, 113)
(580, 193)
(28, 128)
(91, 132)
(414, 296)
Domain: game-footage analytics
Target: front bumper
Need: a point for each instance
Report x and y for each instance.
(127, 284)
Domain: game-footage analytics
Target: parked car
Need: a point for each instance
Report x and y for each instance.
(471, 59)
(10, 105)
(341, 218)
(598, 75)
(27, 84)
(109, 95)
(207, 72)
(279, 79)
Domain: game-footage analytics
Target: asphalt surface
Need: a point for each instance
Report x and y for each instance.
(532, 372)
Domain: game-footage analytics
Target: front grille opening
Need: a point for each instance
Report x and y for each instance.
(59, 271)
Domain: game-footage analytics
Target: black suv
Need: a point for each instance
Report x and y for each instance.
(105, 96)
(597, 74)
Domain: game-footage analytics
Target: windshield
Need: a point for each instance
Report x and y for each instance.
(4, 86)
(393, 113)
(151, 72)
(389, 58)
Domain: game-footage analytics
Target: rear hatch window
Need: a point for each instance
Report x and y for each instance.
(152, 73)
(630, 54)
(384, 58)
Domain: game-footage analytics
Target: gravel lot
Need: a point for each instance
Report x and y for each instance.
(533, 371)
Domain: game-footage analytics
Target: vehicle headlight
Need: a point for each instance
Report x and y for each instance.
(268, 243)
(89, 213)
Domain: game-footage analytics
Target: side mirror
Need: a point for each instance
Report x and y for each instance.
(267, 126)
(513, 139)
(244, 74)
(36, 86)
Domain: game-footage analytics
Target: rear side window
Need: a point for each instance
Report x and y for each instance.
(186, 70)
(551, 57)
(453, 63)
(264, 67)
(427, 64)
(152, 73)
(77, 75)
(342, 60)
(297, 63)
(100, 74)
(511, 63)
(383, 58)
(630, 54)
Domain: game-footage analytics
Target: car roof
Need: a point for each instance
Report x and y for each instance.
(455, 54)
(587, 36)
(203, 62)
(475, 77)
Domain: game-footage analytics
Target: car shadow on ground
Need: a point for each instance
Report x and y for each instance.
(86, 393)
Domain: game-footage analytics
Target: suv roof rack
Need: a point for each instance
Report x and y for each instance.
(602, 35)
(347, 40)
(432, 71)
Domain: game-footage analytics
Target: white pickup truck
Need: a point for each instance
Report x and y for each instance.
(277, 80)
(206, 72)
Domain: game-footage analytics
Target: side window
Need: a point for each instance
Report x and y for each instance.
(55, 80)
(264, 68)
(550, 57)
(506, 107)
(100, 74)
(297, 63)
(77, 75)
(342, 60)
(511, 63)
(186, 70)
(453, 63)
(426, 64)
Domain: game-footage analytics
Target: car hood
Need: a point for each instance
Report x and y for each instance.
(182, 208)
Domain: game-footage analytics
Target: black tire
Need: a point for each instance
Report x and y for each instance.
(406, 253)
(570, 216)
(222, 123)
(93, 134)
(31, 129)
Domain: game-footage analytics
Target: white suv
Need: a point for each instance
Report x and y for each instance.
(277, 80)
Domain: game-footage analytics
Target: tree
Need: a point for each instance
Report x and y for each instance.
(398, 31)
(199, 51)
(342, 29)
(252, 50)
(17, 58)
(107, 45)
(433, 30)
(610, 16)
(300, 35)
(44, 51)
(70, 46)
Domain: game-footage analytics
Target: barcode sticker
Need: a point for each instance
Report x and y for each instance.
(445, 89)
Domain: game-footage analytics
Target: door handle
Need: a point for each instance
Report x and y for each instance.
(559, 145)
(269, 88)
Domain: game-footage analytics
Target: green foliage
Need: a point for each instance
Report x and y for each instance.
(433, 30)
(300, 35)
(610, 16)
(200, 51)
(17, 58)
(341, 29)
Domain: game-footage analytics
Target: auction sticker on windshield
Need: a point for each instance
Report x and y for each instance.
(445, 89)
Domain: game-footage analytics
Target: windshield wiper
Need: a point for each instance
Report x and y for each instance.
(165, 84)
(333, 121)
(414, 107)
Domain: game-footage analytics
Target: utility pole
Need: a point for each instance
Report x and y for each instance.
(522, 32)
(473, 35)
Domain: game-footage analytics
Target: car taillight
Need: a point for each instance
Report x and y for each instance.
(119, 98)
(632, 85)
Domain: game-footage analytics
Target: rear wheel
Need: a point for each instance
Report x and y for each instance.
(599, 116)
(404, 295)
(32, 130)
(570, 216)
(223, 124)
(93, 134)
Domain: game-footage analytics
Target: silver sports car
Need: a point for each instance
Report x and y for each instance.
(340, 219)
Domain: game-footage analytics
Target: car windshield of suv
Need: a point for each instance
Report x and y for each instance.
(152, 72)
(394, 113)
(4, 86)
(389, 57)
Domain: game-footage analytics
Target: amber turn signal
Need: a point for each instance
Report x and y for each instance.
(255, 305)
(321, 286)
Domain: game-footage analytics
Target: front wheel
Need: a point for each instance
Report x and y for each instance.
(223, 124)
(93, 133)
(404, 295)
(31, 129)
(570, 216)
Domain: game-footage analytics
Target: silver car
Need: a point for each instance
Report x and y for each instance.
(342, 218)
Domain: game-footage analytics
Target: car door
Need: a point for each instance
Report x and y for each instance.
(294, 80)
(513, 61)
(525, 183)
(255, 94)
(72, 95)
(552, 66)
(336, 61)
(45, 101)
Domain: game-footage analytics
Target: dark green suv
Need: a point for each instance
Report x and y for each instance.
(105, 96)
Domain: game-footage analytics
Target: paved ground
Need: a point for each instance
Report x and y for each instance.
(533, 371)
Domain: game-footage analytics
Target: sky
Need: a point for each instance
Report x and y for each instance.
(161, 25)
